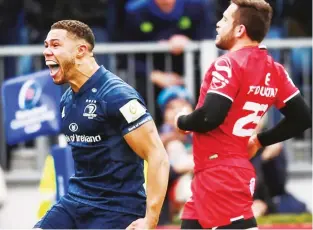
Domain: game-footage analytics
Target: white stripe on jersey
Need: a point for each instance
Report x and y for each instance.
(213, 91)
(236, 218)
(291, 96)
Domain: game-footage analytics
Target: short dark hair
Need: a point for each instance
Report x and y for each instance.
(255, 15)
(78, 29)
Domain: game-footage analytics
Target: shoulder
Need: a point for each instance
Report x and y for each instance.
(225, 63)
(134, 6)
(241, 59)
(279, 67)
(223, 69)
(115, 89)
(282, 72)
(239, 56)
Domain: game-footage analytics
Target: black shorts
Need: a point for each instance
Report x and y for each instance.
(238, 224)
(69, 214)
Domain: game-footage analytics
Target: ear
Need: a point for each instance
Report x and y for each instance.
(240, 31)
(82, 50)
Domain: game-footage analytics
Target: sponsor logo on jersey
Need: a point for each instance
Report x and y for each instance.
(132, 110)
(135, 126)
(221, 74)
(83, 138)
(73, 127)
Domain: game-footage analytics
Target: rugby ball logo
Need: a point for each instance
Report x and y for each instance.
(221, 74)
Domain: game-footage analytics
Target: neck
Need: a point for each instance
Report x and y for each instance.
(82, 72)
(243, 43)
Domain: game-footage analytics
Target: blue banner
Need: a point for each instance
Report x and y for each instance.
(64, 168)
(31, 107)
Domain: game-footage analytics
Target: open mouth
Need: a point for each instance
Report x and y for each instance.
(53, 66)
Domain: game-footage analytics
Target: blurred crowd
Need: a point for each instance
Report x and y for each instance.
(175, 22)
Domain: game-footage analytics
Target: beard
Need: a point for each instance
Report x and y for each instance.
(226, 42)
(67, 69)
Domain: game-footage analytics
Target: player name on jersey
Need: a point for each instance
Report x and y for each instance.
(263, 91)
(82, 138)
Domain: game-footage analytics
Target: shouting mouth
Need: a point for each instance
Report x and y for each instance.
(53, 66)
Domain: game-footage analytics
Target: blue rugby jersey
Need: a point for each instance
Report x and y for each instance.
(108, 173)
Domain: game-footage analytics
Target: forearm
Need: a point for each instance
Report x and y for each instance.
(157, 181)
(297, 119)
(284, 130)
(197, 121)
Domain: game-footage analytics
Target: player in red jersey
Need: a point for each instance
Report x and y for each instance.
(237, 90)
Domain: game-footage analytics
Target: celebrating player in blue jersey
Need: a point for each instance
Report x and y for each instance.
(110, 131)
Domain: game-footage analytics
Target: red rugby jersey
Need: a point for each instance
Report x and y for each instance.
(253, 81)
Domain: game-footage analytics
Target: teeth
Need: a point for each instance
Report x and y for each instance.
(51, 63)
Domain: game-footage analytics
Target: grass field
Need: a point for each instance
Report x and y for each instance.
(277, 221)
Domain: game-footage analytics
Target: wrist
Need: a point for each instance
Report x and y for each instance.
(257, 141)
(152, 216)
(152, 222)
(180, 121)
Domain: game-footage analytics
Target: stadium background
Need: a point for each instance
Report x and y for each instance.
(22, 35)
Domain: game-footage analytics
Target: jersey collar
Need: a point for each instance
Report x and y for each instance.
(92, 80)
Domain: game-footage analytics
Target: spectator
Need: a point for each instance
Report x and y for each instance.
(174, 22)
(95, 13)
(178, 147)
(171, 100)
(11, 25)
(300, 25)
(270, 194)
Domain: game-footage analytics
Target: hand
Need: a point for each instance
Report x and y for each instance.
(163, 79)
(253, 146)
(259, 208)
(271, 151)
(181, 113)
(178, 43)
(141, 223)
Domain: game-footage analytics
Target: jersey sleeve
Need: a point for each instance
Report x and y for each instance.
(286, 89)
(224, 78)
(128, 112)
